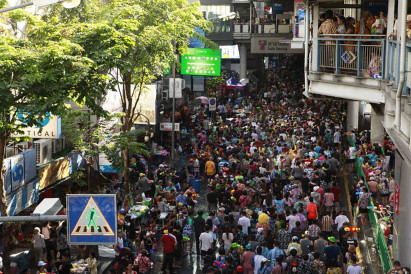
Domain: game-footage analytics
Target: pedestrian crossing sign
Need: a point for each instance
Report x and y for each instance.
(92, 219)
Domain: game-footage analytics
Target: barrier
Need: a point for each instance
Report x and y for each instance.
(379, 237)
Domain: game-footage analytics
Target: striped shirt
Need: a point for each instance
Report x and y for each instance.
(327, 222)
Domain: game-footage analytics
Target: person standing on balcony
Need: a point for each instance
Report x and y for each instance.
(328, 26)
(364, 25)
(409, 26)
(341, 25)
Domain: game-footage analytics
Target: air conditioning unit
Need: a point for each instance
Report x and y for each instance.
(44, 149)
(10, 152)
(58, 145)
(23, 146)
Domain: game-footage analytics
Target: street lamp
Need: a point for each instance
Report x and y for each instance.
(68, 4)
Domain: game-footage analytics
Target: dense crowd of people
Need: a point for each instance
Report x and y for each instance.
(272, 198)
(271, 164)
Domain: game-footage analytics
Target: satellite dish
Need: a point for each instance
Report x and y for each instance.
(69, 4)
(42, 3)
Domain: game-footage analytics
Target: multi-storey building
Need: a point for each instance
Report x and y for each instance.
(373, 69)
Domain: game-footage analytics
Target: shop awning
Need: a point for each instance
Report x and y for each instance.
(49, 206)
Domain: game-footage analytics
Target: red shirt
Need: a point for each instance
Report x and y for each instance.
(312, 211)
(169, 241)
(336, 192)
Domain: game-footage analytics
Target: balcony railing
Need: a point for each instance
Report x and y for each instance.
(245, 29)
(361, 57)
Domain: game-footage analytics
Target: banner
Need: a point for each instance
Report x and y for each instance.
(23, 198)
(7, 175)
(29, 165)
(50, 128)
(17, 171)
(104, 164)
(54, 172)
(272, 45)
(169, 126)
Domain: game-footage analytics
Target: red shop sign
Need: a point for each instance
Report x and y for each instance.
(397, 198)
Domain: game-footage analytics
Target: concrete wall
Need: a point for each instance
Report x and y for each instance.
(402, 221)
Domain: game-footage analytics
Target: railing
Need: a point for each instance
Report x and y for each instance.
(379, 237)
(222, 26)
(261, 28)
(393, 63)
(362, 57)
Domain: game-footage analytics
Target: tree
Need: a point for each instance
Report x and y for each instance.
(87, 138)
(37, 78)
(132, 42)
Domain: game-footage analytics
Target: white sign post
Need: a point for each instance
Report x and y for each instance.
(180, 85)
(212, 105)
(169, 127)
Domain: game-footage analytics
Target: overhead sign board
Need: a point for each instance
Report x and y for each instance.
(205, 62)
(230, 52)
(92, 219)
(169, 126)
(271, 45)
(49, 128)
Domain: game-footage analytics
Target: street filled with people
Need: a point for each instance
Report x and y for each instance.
(261, 190)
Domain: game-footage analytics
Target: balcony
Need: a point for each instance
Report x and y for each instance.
(340, 62)
(393, 64)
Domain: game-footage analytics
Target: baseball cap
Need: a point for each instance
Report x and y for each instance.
(316, 188)
(161, 165)
(41, 263)
(295, 238)
(331, 239)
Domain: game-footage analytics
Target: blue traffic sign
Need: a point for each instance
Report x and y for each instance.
(92, 219)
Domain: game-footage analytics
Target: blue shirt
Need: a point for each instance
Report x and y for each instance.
(279, 205)
(373, 159)
(274, 254)
(181, 199)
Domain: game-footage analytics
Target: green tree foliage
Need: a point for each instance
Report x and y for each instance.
(131, 41)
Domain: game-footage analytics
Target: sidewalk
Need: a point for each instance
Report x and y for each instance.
(370, 260)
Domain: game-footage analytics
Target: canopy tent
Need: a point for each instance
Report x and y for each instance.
(233, 83)
(49, 206)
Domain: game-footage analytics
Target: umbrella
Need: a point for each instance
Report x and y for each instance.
(204, 100)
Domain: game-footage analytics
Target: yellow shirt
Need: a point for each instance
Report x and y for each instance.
(92, 265)
(210, 168)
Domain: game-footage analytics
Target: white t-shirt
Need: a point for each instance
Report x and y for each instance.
(340, 220)
(206, 240)
(292, 220)
(337, 136)
(120, 243)
(354, 269)
(257, 262)
(245, 223)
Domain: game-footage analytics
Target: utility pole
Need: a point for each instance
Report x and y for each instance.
(173, 118)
